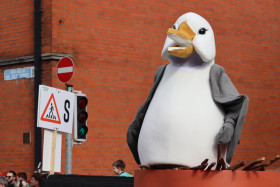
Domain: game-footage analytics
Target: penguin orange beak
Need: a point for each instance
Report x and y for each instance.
(183, 38)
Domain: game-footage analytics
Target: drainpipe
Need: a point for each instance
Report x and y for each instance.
(37, 79)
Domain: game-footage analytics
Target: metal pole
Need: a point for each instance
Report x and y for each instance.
(37, 81)
(68, 142)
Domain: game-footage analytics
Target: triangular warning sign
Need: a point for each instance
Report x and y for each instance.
(50, 113)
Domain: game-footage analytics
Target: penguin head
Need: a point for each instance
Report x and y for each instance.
(190, 33)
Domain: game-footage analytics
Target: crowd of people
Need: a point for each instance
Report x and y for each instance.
(13, 179)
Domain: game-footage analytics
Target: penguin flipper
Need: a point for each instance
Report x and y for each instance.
(234, 104)
(226, 132)
(132, 137)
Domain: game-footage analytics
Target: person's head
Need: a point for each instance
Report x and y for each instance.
(20, 183)
(118, 166)
(21, 180)
(22, 176)
(36, 180)
(3, 181)
(11, 176)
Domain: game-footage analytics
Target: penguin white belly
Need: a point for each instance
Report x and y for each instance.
(182, 120)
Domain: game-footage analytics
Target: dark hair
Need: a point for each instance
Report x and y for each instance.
(38, 177)
(13, 172)
(3, 181)
(22, 175)
(119, 164)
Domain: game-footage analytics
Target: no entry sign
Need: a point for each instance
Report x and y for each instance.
(65, 69)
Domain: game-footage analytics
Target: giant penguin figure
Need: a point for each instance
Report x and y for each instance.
(192, 106)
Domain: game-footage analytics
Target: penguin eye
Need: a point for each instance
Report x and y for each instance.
(202, 31)
(173, 27)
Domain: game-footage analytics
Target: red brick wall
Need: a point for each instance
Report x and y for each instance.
(16, 108)
(16, 28)
(116, 49)
(17, 117)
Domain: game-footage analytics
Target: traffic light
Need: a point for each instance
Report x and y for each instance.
(80, 118)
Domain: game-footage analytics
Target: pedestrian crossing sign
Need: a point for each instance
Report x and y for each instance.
(55, 109)
(50, 113)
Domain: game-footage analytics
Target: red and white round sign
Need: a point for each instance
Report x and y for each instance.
(65, 69)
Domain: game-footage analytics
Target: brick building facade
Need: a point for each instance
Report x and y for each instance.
(116, 47)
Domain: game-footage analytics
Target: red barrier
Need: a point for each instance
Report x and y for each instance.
(190, 178)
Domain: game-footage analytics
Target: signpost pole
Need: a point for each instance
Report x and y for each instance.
(65, 70)
(68, 142)
(53, 148)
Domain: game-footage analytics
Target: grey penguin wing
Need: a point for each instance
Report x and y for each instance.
(235, 105)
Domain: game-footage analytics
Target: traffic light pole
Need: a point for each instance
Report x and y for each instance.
(68, 142)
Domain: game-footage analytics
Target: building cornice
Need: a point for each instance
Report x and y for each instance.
(30, 58)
